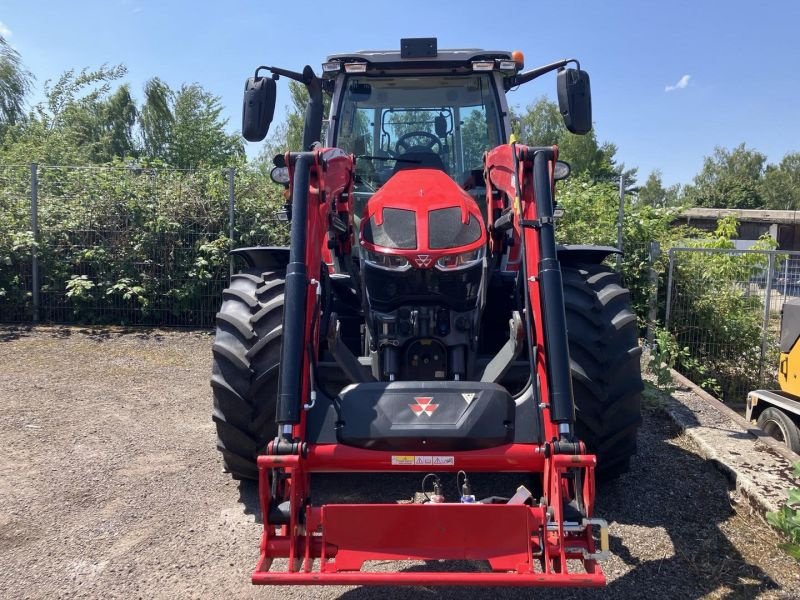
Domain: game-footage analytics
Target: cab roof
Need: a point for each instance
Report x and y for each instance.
(420, 54)
(382, 57)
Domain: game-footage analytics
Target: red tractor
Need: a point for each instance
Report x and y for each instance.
(424, 322)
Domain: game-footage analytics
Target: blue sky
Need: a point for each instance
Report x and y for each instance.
(738, 60)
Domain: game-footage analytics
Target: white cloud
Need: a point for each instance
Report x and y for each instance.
(4, 30)
(682, 83)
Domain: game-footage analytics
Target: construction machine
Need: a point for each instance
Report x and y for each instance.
(777, 412)
(424, 323)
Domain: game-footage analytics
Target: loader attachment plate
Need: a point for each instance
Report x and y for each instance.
(439, 532)
(503, 544)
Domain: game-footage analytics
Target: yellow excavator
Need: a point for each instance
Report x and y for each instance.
(777, 412)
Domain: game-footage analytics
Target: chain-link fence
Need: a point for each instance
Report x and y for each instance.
(126, 245)
(724, 308)
(15, 243)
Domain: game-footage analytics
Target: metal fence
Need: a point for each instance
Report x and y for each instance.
(126, 245)
(724, 308)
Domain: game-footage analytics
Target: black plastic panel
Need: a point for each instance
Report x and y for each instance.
(418, 48)
(435, 416)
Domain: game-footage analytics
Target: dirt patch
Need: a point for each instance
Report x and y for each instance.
(110, 486)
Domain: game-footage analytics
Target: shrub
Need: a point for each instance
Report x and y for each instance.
(787, 520)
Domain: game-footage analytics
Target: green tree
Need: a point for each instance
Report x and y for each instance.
(198, 133)
(729, 179)
(15, 83)
(653, 193)
(780, 188)
(541, 125)
(118, 115)
(156, 120)
(291, 138)
(70, 125)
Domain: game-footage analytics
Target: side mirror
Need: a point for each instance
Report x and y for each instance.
(258, 107)
(575, 100)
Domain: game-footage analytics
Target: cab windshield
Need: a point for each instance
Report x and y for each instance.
(444, 122)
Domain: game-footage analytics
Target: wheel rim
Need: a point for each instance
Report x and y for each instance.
(775, 430)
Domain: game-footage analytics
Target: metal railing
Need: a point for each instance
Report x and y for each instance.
(724, 306)
(126, 245)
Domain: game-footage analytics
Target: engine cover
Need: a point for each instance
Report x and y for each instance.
(415, 415)
(422, 216)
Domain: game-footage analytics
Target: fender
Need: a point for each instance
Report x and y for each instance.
(585, 253)
(264, 257)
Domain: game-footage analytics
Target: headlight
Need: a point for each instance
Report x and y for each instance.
(451, 262)
(392, 262)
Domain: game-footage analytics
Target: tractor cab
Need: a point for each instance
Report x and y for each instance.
(398, 112)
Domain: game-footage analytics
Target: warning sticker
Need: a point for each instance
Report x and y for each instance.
(442, 461)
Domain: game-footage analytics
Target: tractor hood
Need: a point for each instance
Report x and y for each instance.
(425, 217)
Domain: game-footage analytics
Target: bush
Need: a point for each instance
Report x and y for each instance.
(787, 520)
(132, 245)
(716, 328)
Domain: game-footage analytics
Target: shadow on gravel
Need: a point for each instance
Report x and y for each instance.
(100, 334)
(248, 498)
(9, 334)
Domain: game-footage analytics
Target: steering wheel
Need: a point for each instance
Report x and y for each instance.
(402, 146)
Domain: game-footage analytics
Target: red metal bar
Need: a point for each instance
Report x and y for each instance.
(448, 578)
(332, 458)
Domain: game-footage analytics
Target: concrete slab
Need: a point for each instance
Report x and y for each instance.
(759, 467)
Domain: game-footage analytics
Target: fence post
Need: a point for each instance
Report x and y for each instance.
(652, 304)
(786, 274)
(231, 206)
(765, 324)
(620, 220)
(669, 288)
(35, 230)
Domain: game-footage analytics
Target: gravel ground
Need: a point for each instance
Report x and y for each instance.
(110, 486)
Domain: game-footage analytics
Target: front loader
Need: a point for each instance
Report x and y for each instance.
(424, 323)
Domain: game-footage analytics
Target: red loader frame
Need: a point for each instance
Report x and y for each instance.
(524, 545)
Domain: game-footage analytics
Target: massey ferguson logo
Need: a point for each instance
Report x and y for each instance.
(424, 406)
(423, 260)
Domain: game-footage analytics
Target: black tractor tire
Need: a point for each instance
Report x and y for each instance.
(605, 362)
(780, 426)
(244, 378)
